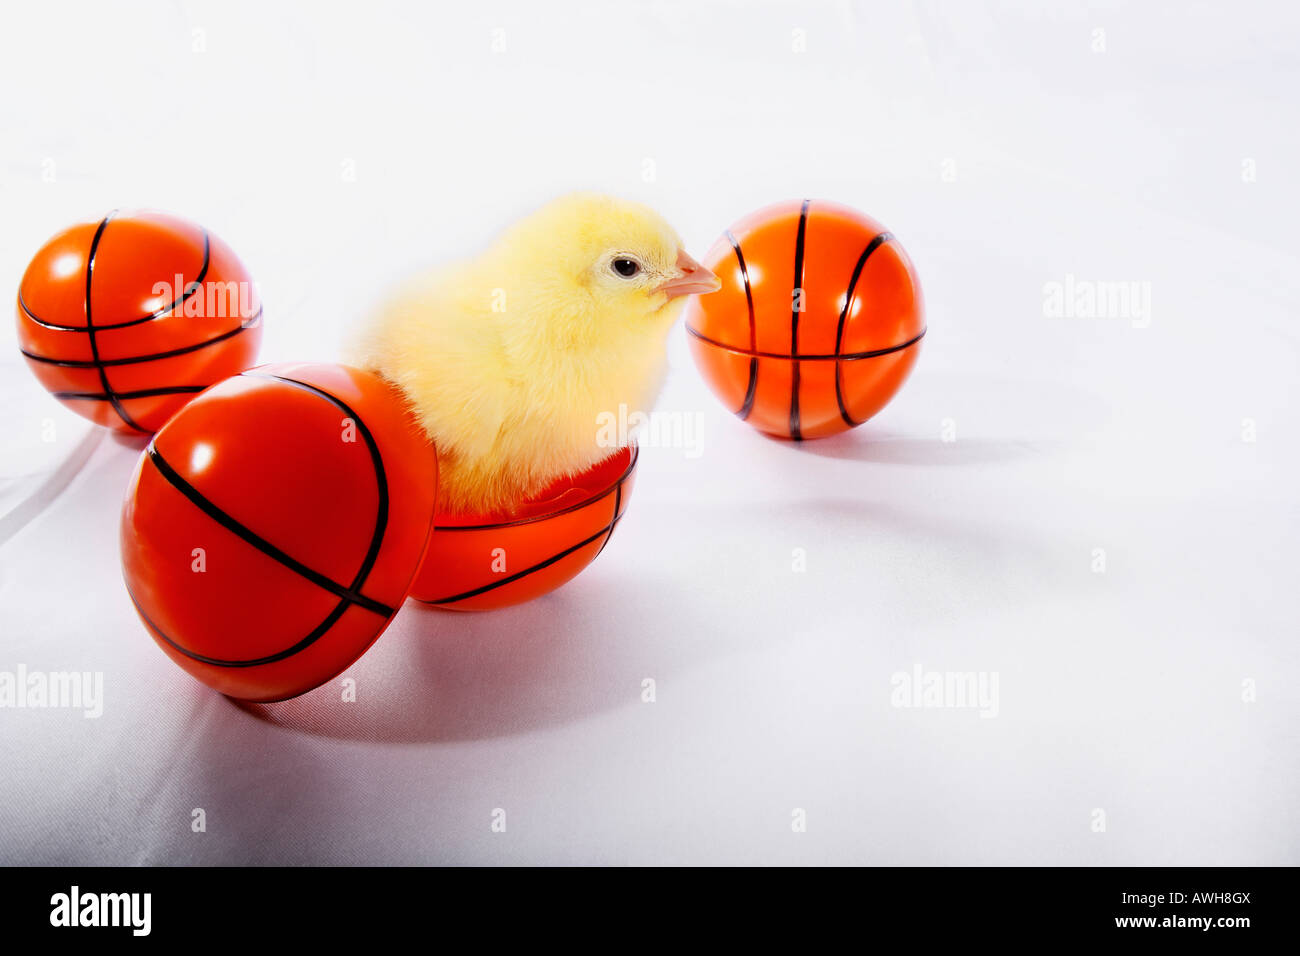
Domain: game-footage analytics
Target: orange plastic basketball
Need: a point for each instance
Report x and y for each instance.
(126, 318)
(818, 322)
(272, 528)
(480, 562)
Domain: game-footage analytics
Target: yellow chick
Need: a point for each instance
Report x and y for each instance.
(509, 359)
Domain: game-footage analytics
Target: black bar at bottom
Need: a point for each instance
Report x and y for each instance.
(266, 906)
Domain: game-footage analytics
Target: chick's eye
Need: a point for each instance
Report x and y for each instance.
(627, 268)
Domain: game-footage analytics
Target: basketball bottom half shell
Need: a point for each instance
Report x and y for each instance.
(481, 562)
(273, 527)
(808, 397)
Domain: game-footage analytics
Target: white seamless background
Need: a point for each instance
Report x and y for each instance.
(1005, 151)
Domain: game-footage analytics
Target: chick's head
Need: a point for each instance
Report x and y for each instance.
(621, 259)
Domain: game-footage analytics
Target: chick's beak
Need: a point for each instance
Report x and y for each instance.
(692, 279)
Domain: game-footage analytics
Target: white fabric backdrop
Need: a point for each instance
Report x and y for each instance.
(1007, 146)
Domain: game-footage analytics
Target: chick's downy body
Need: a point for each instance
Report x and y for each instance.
(509, 359)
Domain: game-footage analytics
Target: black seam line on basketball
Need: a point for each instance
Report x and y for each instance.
(376, 460)
(193, 287)
(796, 297)
(126, 396)
(607, 530)
(751, 389)
(618, 505)
(257, 541)
(137, 359)
(90, 329)
(872, 246)
(306, 642)
(186, 294)
(828, 357)
(577, 506)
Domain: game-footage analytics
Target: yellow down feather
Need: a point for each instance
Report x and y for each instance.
(508, 359)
